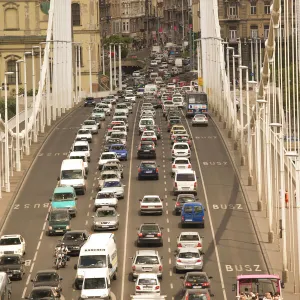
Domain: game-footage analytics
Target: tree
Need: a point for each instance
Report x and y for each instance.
(117, 39)
(11, 108)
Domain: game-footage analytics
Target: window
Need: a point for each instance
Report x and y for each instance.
(79, 56)
(254, 31)
(11, 19)
(124, 26)
(11, 67)
(232, 10)
(127, 26)
(76, 14)
(232, 34)
(267, 8)
(266, 31)
(252, 8)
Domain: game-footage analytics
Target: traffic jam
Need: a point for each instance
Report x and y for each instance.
(150, 120)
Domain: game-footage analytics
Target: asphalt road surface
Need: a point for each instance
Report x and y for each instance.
(230, 244)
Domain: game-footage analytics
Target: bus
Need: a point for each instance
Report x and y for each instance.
(197, 103)
(5, 286)
(260, 284)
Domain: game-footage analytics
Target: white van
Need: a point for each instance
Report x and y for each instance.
(72, 173)
(82, 146)
(185, 181)
(150, 89)
(99, 252)
(145, 122)
(96, 284)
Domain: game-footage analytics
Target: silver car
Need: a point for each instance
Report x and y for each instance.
(190, 239)
(113, 166)
(147, 261)
(107, 175)
(200, 119)
(114, 186)
(189, 259)
(91, 125)
(84, 134)
(106, 218)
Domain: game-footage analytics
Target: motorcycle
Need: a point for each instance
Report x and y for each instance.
(60, 261)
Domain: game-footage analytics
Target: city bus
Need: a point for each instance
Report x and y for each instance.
(197, 103)
(260, 284)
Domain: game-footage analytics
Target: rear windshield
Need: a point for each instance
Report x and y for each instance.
(147, 281)
(147, 122)
(189, 237)
(189, 255)
(181, 146)
(146, 260)
(117, 147)
(185, 177)
(189, 209)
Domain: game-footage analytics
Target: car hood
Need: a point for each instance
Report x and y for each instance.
(101, 293)
(73, 242)
(10, 248)
(46, 283)
(105, 219)
(89, 126)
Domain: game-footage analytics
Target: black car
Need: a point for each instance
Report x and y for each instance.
(196, 280)
(146, 149)
(150, 233)
(74, 240)
(13, 265)
(111, 141)
(47, 278)
(89, 101)
(44, 292)
(181, 199)
(148, 169)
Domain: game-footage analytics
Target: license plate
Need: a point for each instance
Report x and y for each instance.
(105, 226)
(185, 188)
(59, 230)
(197, 287)
(188, 220)
(148, 172)
(181, 167)
(150, 235)
(146, 150)
(188, 267)
(147, 269)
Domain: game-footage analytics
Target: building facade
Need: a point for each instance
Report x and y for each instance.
(23, 28)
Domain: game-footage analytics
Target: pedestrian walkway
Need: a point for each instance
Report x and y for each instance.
(271, 251)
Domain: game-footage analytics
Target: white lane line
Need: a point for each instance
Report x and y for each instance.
(171, 273)
(86, 222)
(28, 279)
(169, 240)
(44, 227)
(165, 189)
(91, 198)
(24, 293)
(88, 214)
(31, 268)
(167, 204)
(35, 256)
(169, 249)
(168, 220)
(90, 205)
(41, 236)
(93, 184)
(171, 285)
(127, 208)
(168, 229)
(170, 261)
(167, 212)
(164, 166)
(164, 171)
(38, 246)
(209, 215)
(165, 182)
(166, 196)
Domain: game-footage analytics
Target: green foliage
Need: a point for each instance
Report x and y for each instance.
(11, 108)
(116, 39)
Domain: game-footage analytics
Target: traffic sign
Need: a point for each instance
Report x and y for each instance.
(200, 81)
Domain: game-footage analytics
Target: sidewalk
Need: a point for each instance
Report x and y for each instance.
(18, 178)
(271, 252)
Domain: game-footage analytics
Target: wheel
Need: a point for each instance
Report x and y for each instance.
(157, 178)
(115, 276)
(47, 233)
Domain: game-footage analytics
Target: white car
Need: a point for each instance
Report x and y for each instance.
(148, 112)
(151, 204)
(153, 63)
(158, 80)
(112, 98)
(80, 155)
(82, 146)
(176, 133)
(91, 125)
(119, 135)
(105, 198)
(181, 150)
(189, 239)
(164, 65)
(149, 135)
(181, 163)
(84, 134)
(105, 107)
(128, 91)
(171, 85)
(12, 244)
(189, 259)
(106, 157)
(114, 186)
(109, 102)
(136, 74)
(130, 98)
(147, 283)
(178, 101)
(119, 128)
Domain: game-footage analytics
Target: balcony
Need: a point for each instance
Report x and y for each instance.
(234, 40)
(233, 18)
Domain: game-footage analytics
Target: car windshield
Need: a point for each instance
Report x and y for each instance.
(189, 255)
(181, 146)
(197, 278)
(120, 113)
(92, 261)
(71, 174)
(108, 176)
(177, 100)
(197, 296)
(80, 148)
(59, 216)
(10, 241)
(200, 116)
(105, 195)
(10, 260)
(181, 162)
(151, 200)
(149, 228)
(146, 260)
(106, 213)
(112, 184)
(41, 294)
(148, 166)
(189, 209)
(47, 277)
(147, 281)
(89, 123)
(62, 196)
(94, 283)
(186, 199)
(117, 147)
(146, 122)
(110, 167)
(119, 135)
(189, 237)
(72, 236)
(175, 121)
(82, 131)
(113, 141)
(146, 146)
(108, 156)
(185, 177)
(148, 133)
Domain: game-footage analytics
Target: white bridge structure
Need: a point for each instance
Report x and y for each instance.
(265, 133)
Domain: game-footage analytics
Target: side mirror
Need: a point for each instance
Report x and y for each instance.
(204, 209)
(233, 287)
(181, 277)
(85, 177)
(282, 285)
(31, 281)
(58, 178)
(75, 267)
(76, 198)
(60, 279)
(50, 200)
(91, 149)
(110, 266)
(108, 285)
(140, 200)
(210, 277)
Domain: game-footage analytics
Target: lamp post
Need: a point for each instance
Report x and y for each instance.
(103, 61)
(26, 138)
(115, 67)
(79, 70)
(229, 119)
(242, 113)
(6, 150)
(34, 98)
(120, 67)
(282, 201)
(42, 113)
(90, 68)
(110, 71)
(252, 63)
(257, 67)
(18, 155)
(182, 16)
(234, 101)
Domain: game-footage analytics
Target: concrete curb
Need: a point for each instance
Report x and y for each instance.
(19, 185)
(243, 186)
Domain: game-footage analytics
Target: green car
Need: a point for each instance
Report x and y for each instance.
(99, 113)
(59, 221)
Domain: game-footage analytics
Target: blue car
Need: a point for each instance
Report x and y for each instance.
(148, 169)
(120, 150)
(89, 101)
(192, 213)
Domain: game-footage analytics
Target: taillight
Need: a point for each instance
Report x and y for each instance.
(188, 284)
(133, 268)
(199, 245)
(143, 139)
(160, 268)
(144, 206)
(159, 234)
(195, 184)
(176, 184)
(173, 166)
(182, 218)
(139, 148)
(189, 166)
(177, 204)
(157, 287)
(153, 139)
(189, 151)
(140, 234)
(139, 170)
(179, 245)
(137, 287)
(172, 151)
(156, 170)
(205, 284)
(178, 260)
(198, 260)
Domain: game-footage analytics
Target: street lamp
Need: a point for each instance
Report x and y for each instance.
(229, 88)
(115, 67)
(282, 201)
(120, 66)
(90, 69)
(110, 70)
(6, 150)
(27, 150)
(18, 154)
(34, 98)
(234, 100)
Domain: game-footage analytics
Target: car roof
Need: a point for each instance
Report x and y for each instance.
(180, 143)
(81, 143)
(151, 196)
(147, 275)
(47, 271)
(7, 236)
(189, 233)
(108, 153)
(146, 252)
(188, 249)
